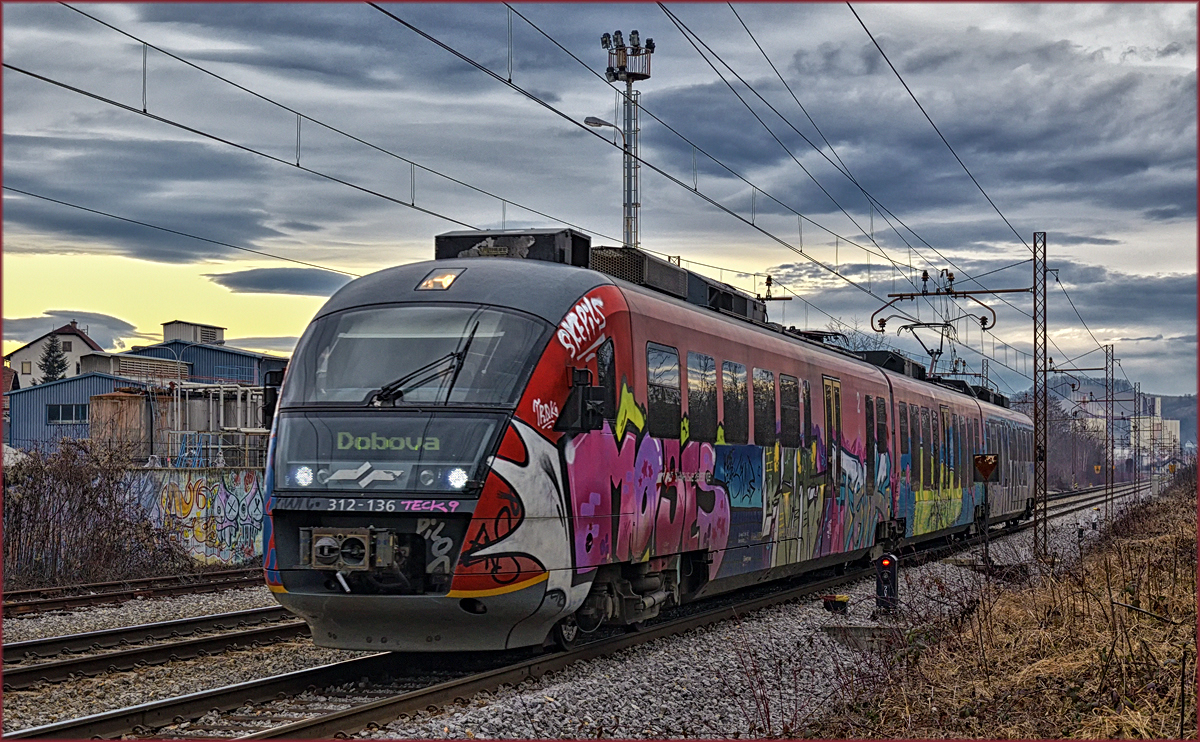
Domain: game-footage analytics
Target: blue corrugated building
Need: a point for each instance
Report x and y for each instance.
(44, 414)
(216, 363)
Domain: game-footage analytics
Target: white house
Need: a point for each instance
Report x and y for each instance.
(75, 344)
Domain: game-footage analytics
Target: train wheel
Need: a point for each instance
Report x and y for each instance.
(635, 627)
(565, 633)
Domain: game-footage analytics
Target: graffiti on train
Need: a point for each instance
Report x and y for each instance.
(215, 514)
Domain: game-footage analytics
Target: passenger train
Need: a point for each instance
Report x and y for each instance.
(504, 447)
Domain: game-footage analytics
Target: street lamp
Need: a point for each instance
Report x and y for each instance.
(627, 64)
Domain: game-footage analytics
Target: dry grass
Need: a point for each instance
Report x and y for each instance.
(1105, 649)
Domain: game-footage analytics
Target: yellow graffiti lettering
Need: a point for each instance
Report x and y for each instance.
(684, 430)
(720, 434)
(629, 413)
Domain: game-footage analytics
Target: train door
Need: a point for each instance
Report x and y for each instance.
(948, 453)
(833, 436)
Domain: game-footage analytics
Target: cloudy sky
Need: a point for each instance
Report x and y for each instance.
(1076, 120)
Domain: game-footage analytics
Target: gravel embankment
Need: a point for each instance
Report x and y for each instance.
(62, 701)
(713, 682)
(133, 612)
(767, 674)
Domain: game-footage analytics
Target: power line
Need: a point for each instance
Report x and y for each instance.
(935, 127)
(689, 35)
(330, 127)
(178, 232)
(658, 170)
(844, 170)
(696, 147)
(531, 96)
(676, 132)
(1077, 314)
(244, 148)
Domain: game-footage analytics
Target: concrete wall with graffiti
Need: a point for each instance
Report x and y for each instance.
(215, 514)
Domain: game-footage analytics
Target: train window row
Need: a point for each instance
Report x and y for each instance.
(940, 442)
(664, 391)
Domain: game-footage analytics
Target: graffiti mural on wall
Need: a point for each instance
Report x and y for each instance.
(215, 514)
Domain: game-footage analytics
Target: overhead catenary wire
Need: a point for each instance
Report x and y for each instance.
(545, 104)
(222, 140)
(698, 148)
(693, 38)
(392, 154)
(178, 232)
(935, 127)
(642, 109)
(303, 116)
(884, 211)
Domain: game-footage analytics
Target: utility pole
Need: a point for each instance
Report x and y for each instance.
(629, 64)
(1135, 437)
(1041, 416)
(1109, 433)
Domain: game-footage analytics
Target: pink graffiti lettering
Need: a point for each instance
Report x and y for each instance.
(432, 506)
(580, 328)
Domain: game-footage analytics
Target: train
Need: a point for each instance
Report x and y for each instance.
(528, 438)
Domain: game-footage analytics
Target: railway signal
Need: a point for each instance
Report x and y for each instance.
(887, 582)
(987, 469)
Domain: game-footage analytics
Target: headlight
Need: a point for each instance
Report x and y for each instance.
(427, 477)
(303, 476)
(457, 478)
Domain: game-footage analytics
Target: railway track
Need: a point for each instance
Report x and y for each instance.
(42, 660)
(380, 688)
(40, 600)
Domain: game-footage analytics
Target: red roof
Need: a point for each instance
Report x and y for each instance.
(11, 380)
(71, 328)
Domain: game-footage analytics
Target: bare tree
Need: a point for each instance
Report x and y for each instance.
(70, 516)
(857, 336)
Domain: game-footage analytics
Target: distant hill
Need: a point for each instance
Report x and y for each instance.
(1182, 409)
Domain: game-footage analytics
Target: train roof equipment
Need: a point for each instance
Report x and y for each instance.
(640, 268)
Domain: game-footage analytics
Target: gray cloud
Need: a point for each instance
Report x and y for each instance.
(1080, 121)
(304, 281)
(106, 330)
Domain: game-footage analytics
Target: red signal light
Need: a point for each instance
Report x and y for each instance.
(887, 562)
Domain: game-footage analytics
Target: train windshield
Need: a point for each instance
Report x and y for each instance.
(360, 453)
(415, 354)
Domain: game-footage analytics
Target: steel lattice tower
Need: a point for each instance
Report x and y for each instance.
(1109, 432)
(1135, 426)
(1041, 417)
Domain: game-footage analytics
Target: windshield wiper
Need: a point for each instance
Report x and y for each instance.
(395, 389)
(462, 361)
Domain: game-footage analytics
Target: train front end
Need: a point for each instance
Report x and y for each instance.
(384, 511)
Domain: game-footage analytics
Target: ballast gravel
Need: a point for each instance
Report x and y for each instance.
(54, 702)
(768, 674)
(133, 612)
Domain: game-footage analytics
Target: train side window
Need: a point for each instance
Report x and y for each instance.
(764, 408)
(663, 399)
(702, 397)
(737, 412)
(806, 395)
(870, 425)
(964, 438)
(881, 428)
(935, 450)
(789, 411)
(915, 448)
(926, 449)
(606, 373)
(902, 410)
